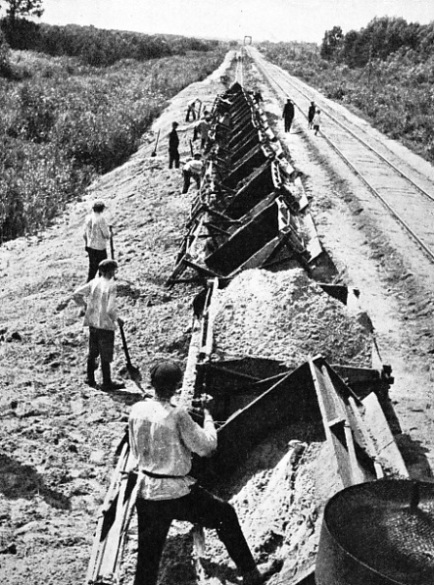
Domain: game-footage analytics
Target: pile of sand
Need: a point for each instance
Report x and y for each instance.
(285, 316)
(279, 496)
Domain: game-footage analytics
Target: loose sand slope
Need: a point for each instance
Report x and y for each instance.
(58, 436)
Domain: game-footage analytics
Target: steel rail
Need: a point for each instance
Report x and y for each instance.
(239, 75)
(360, 139)
(273, 82)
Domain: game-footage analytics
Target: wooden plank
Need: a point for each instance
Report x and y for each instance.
(105, 520)
(179, 269)
(367, 439)
(337, 426)
(188, 383)
(208, 318)
(110, 562)
(201, 269)
(313, 245)
(385, 445)
(216, 228)
(258, 258)
(236, 374)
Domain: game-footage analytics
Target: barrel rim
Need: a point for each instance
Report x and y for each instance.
(333, 501)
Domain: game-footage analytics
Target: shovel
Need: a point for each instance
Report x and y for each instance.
(154, 152)
(112, 246)
(199, 107)
(133, 372)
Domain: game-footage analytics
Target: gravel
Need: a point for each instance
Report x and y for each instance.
(287, 317)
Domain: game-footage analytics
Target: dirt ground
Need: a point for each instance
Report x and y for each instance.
(58, 436)
(372, 253)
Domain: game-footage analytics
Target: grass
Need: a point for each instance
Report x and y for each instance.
(62, 123)
(395, 95)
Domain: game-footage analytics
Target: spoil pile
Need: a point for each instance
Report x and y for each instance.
(275, 496)
(285, 316)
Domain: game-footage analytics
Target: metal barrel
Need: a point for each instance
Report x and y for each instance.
(378, 533)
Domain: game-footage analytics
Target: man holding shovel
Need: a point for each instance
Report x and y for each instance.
(98, 298)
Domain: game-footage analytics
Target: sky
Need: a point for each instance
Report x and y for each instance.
(273, 20)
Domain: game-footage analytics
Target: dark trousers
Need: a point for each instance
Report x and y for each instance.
(191, 111)
(198, 507)
(288, 123)
(101, 343)
(95, 257)
(174, 159)
(187, 180)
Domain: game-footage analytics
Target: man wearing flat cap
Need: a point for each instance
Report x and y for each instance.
(98, 298)
(163, 437)
(96, 235)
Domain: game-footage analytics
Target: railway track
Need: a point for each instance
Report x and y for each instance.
(251, 215)
(408, 199)
(239, 69)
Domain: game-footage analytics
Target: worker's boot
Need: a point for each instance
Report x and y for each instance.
(91, 366)
(107, 383)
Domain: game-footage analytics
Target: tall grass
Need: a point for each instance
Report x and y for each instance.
(395, 94)
(63, 122)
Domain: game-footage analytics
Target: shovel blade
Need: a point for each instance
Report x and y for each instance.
(134, 373)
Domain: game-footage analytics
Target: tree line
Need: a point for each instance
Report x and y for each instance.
(93, 46)
(379, 39)
(385, 71)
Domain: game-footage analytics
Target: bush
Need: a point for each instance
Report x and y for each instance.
(68, 122)
(5, 65)
(395, 93)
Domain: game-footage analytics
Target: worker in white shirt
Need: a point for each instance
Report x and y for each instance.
(162, 438)
(316, 122)
(192, 168)
(98, 297)
(96, 235)
(202, 129)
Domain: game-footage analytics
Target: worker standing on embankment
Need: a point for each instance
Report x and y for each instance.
(173, 146)
(163, 437)
(98, 298)
(202, 130)
(96, 235)
(288, 114)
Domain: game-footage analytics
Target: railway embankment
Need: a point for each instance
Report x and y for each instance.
(58, 435)
(279, 410)
(53, 488)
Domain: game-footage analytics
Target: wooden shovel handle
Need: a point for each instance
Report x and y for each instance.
(112, 246)
(124, 343)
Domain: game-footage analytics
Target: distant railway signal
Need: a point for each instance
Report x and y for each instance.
(249, 39)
